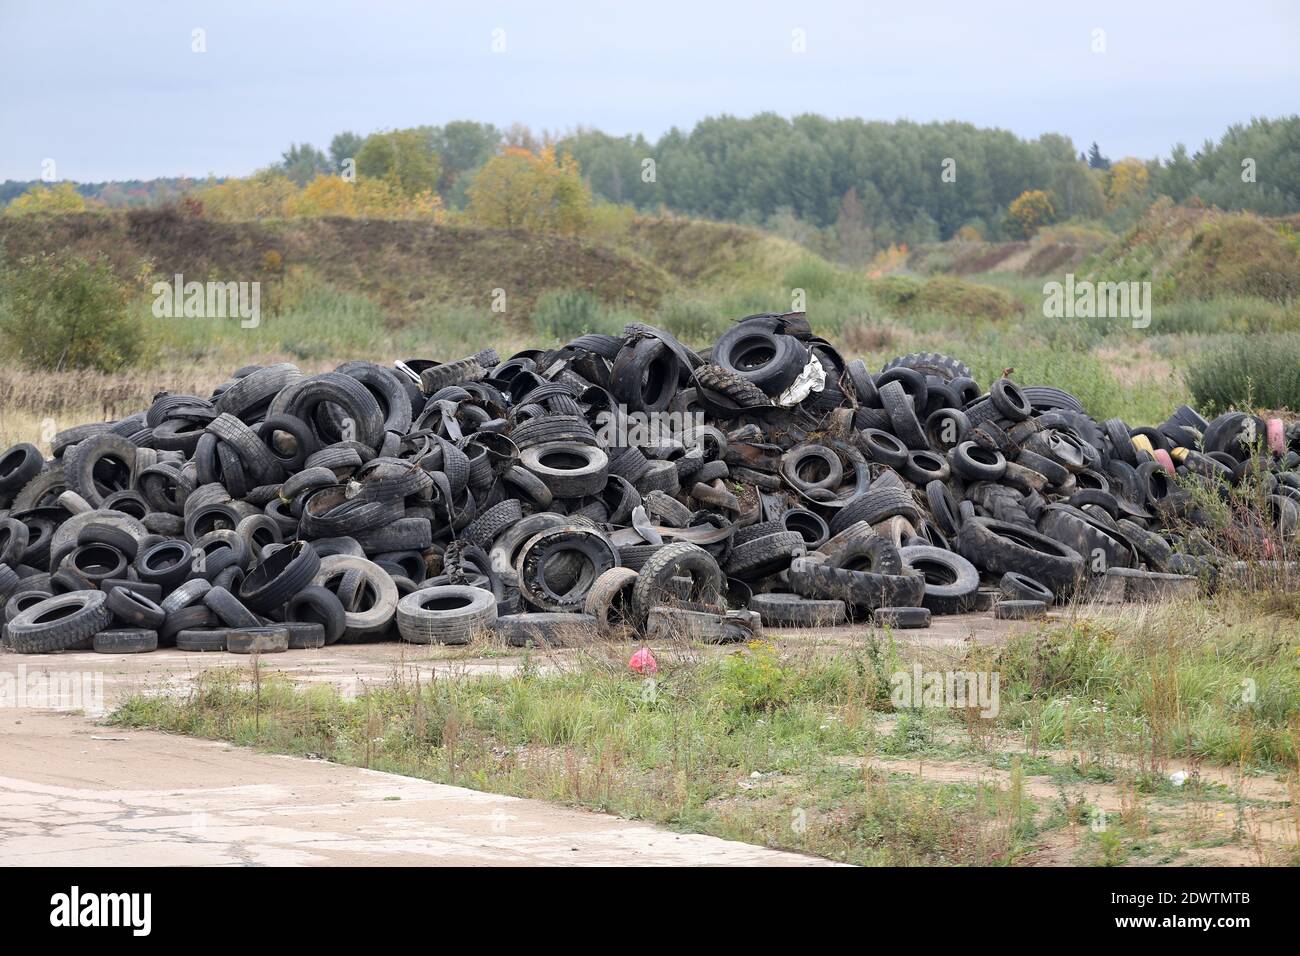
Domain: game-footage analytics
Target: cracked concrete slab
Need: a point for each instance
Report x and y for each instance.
(71, 795)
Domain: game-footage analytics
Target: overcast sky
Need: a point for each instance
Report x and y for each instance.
(114, 91)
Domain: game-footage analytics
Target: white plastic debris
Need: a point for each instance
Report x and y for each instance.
(811, 379)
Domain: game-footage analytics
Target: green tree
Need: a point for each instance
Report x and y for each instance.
(463, 146)
(303, 163)
(404, 157)
(344, 146)
(62, 311)
(1095, 159)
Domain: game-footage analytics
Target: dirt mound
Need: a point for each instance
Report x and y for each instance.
(401, 264)
(1197, 253)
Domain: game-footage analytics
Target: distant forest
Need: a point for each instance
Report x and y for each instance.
(855, 185)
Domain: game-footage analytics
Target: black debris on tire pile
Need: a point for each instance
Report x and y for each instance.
(620, 486)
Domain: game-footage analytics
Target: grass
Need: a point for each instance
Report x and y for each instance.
(792, 742)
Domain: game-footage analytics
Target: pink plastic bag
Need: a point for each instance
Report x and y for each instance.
(643, 662)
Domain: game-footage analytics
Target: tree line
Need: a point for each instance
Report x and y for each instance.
(848, 187)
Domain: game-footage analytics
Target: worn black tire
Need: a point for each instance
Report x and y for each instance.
(783, 357)
(861, 590)
(679, 559)
(1015, 586)
(99, 466)
(304, 635)
(875, 505)
(1019, 610)
(133, 608)
(609, 601)
(483, 530)
(766, 555)
(438, 377)
(375, 619)
(50, 626)
(587, 478)
(450, 614)
(731, 385)
(882, 446)
(1151, 547)
(202, 639)
(998, 547)
(229, 608)
(901, 618)
(931, 363)
(902, 415)
(537, 553)
(318, 605)
(278, 578)
(304, 397)
(645, 375)
(790, 610)
(19, 465)
(972, 462)
(135, 640)
(259, 639)
(1087, 536)
(950, 580)
(545, 629)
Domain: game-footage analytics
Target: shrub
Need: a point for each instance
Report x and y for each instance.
(691, 320)
(753, 681)
(565, 315)
(944, 295)
(1261, 371)
(60, 311)
(816, 277)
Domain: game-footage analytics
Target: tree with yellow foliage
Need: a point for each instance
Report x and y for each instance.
(260, 196)
(537, 191)
(50, 200)
(325, 195)
(1127, 183)
(1030, 211)
(371, 198)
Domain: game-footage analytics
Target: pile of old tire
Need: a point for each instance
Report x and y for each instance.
(619, 486)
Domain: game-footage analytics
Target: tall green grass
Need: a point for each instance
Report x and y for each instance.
(1248, 371)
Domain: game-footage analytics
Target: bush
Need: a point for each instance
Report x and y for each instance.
(692, 321)
(1260, 371)
(753, 681)
(816, 277)
(566, 315)
(60, 311)
(944, 295)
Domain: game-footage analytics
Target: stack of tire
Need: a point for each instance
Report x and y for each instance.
(433, 502)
